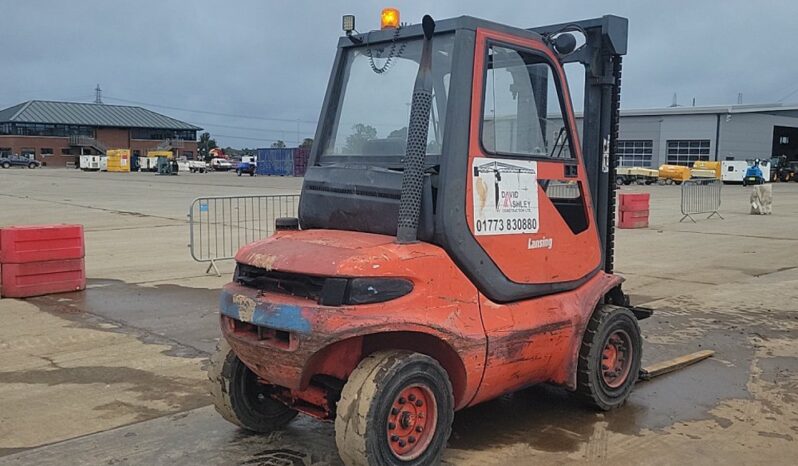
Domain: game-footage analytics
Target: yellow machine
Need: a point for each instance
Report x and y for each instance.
(629, 175)
(118, 160)
(674, 173)
(705, 166)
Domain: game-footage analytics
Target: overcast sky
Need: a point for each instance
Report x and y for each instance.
(271, 60)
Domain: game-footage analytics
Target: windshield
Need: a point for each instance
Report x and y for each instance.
(373, 106)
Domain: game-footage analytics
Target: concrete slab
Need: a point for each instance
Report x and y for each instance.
(727, 285)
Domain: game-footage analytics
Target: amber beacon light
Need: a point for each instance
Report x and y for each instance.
(389, 18)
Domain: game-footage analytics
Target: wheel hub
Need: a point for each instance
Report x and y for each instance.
(411, 422)
(616, 359)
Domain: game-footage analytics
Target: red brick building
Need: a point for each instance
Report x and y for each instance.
(57, 133)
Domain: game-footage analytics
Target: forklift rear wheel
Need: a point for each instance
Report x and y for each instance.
(240, 398)
(396, 409)
(609, 358)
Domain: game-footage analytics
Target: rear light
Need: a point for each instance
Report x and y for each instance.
(354, 291)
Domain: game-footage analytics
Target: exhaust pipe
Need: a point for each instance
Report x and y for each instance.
(416, 150)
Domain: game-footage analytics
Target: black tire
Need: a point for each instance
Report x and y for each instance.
(31, 165)
(619, 181)
(238, 396)
(6, 165)
(593, 384)
(370, 403)
(677, 182)
(251, 173)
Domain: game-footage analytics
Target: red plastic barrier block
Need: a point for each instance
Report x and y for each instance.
(633, 219)
(37, 243)
(40, 278)
(633, 202)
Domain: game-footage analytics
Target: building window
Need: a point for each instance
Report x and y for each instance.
(189, 155)
(686, 152)
(635, 153)
(29, 153)
(40, 129)
(158, 134)
(5, 151)
(65, 151)
(46, 151)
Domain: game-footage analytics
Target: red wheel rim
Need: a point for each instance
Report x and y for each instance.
(411, 422)
(616, 359)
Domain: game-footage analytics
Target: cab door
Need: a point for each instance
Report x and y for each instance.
(529, 205)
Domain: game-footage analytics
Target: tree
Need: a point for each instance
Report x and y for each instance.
(278, 144)
(205, 145)
(307, 143)
(356, 140)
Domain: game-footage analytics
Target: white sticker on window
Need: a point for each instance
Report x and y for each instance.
(505, 196)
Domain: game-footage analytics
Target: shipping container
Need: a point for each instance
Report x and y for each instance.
(275, 162)
(118, 160)
(301, 155)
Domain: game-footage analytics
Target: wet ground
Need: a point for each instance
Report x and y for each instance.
(114, 375)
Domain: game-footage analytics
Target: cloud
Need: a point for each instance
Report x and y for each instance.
(273, 59)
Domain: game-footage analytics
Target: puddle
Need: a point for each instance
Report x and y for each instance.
(183, 318)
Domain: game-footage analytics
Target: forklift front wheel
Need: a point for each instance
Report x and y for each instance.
(609, 358)
(396, 409)
(240, 398)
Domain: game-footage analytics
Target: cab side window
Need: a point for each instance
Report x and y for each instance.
(521, 109)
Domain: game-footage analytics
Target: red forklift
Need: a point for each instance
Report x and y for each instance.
(454, 241)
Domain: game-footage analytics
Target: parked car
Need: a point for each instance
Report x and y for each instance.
(219, 164)
(8, 161)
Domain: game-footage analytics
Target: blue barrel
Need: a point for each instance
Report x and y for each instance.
(275, 162)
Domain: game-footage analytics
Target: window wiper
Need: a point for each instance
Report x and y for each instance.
(558, 141)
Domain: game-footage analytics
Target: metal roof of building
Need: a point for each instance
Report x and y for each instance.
(707, 110)
(74, 113)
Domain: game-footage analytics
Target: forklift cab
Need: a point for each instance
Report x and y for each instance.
(505, 187)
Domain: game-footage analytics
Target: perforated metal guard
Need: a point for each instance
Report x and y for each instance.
(410, 205)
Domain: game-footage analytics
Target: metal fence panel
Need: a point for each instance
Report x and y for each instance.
(220, 225)
(701, 197)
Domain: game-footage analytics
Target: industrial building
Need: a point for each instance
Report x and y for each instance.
(683, 135)
(57, 133)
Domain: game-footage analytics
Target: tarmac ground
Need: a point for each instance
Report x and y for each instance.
(116, 374)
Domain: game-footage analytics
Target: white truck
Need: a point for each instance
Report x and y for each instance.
(196, 166)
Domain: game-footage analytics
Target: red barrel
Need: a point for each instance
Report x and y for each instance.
(41, 259)
(633, 209)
